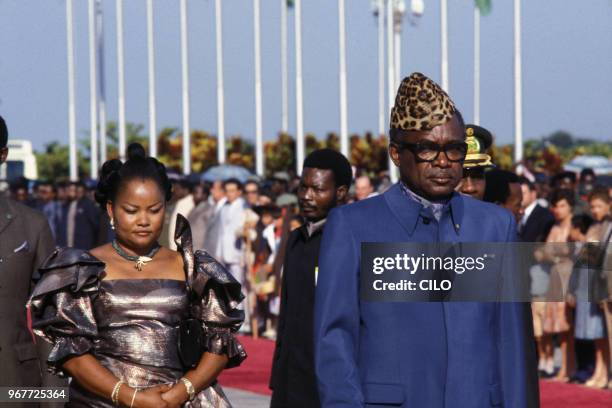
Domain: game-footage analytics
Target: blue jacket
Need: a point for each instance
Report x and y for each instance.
(416, 354)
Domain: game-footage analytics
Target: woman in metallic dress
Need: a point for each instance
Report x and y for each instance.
(113, 313)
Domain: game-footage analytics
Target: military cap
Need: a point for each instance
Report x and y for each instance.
(478, 140)
(420, 104)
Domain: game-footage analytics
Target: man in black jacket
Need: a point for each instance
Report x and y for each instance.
(325, 182)
(537, 221)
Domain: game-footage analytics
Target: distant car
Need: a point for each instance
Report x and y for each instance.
(21, 162)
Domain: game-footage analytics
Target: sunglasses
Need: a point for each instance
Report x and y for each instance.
(429, 151)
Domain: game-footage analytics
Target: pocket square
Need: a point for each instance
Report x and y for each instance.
(24, 247)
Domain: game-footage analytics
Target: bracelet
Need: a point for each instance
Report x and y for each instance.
(115, 393)
(133, 397)
(189, 387)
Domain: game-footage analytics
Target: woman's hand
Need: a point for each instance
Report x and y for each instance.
(151, 398)
(176, 395)
(571, 300)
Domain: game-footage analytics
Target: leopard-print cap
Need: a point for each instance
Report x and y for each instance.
(420, 104)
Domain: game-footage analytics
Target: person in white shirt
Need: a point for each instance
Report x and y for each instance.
(230, 243)
(184, 205)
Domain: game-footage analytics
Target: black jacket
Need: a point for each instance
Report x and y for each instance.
(538, 225)
(293, 379)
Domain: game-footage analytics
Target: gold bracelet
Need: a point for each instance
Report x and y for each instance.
(133, 397)
(189, 387)
(115, 393)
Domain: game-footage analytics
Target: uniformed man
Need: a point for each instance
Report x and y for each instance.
(479, 140)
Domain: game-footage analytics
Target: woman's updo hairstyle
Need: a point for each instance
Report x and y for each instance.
(115, 174)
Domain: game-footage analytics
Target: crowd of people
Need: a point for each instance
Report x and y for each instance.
(267, 236)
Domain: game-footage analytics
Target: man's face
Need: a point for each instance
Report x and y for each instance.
(599, 209)
(363, 188)
(72, 192)
(216, 191)
(252, 193)
(528, 196)
(473, 182)
(232, 192)
(513, 203)
(45, 193)
(198, 194)
(21, 195)
(436, 179)
(317, 193)
(3, 154)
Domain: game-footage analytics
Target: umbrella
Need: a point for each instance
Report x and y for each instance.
(226, 171)
(599, 164)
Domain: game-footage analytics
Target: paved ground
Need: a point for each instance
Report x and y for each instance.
(245, 399)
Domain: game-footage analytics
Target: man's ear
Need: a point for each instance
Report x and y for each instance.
(342, 194)
(394, 153)
(3, 154)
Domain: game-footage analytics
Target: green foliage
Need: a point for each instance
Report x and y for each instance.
(484, 6)
(367, 152)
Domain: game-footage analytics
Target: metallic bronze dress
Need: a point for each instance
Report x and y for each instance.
(131, 325)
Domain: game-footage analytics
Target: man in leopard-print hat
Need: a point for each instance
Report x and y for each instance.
(429, 353)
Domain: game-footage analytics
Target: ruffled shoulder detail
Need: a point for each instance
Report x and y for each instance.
(68, 268)
(209, 271)
(61, 306)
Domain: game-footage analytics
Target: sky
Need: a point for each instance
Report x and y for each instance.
(567, 66)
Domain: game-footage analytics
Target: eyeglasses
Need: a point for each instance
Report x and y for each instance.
(251, 191)
(429, 151)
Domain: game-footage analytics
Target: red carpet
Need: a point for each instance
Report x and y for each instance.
(254, 373)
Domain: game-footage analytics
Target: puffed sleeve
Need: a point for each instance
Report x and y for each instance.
(217, 300)
(61, 304)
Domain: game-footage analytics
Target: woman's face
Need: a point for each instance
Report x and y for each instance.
(138, 213)
(599, 209)
(562, 210)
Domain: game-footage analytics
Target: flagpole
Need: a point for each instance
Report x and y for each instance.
(390, 76)
(259, 155)
(381, 66)
(220, 91)
(444, 39)
(74, 176)
(518, 79)
(298, 87)
(185, 89)
(284, 76)
(93, 95)
(120, 80)
(151, 73)
(398, 16)
(101, 83)
(476, 66)
(344, 142)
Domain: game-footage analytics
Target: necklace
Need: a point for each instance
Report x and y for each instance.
(140, 260)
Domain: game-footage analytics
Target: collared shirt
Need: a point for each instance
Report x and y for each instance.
(313, 227)
(436, 208)
(528, 210)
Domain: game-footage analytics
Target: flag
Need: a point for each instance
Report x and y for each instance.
(484, 6)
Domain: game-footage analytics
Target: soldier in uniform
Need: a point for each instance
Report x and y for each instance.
(479, 140)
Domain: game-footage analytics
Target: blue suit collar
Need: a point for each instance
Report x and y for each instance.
(408, 211)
